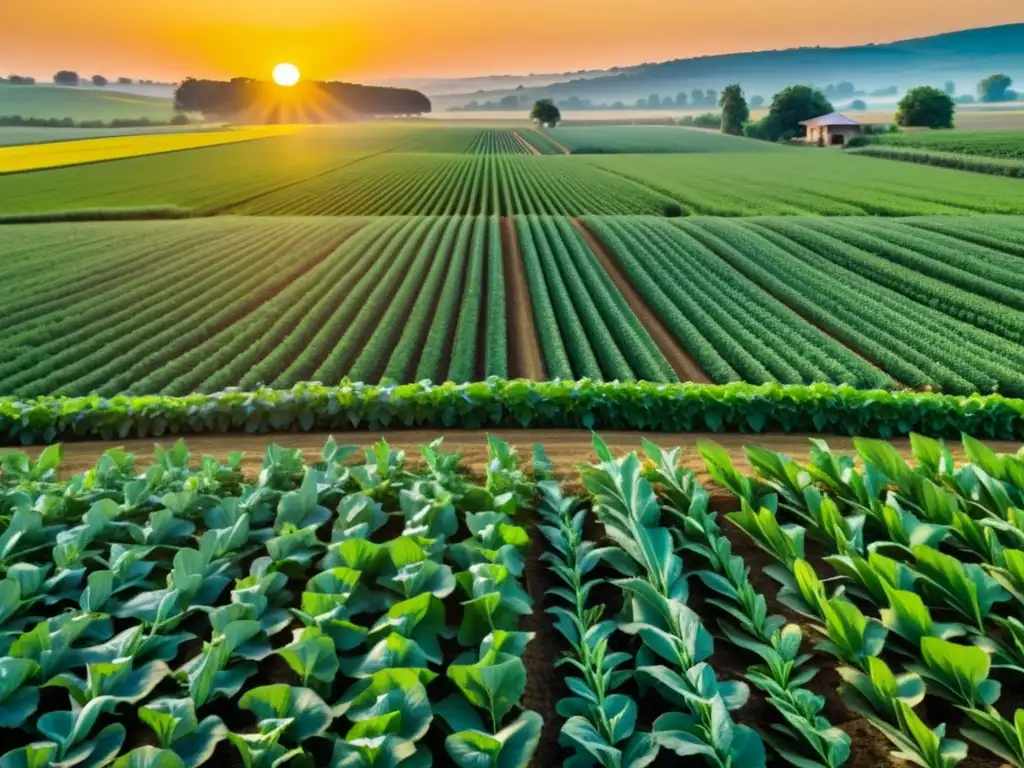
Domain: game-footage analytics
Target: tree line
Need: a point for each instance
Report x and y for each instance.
(249, 100)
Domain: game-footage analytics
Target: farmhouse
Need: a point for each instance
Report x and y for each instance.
(831, 129)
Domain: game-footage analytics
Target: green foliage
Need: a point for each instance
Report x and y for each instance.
(995, 88)
(545, 112)
(789, 108)
(735, 112)
(925, 107)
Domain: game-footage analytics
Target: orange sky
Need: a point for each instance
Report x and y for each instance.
(368, 39)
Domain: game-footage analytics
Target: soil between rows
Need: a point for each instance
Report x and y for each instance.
(681, 361)
(525, 360)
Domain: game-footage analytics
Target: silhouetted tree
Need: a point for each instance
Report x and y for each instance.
(949, 88)
(697, 97)
(545, 112)
(20, 80)
(99, 80)
(926, 107)
(734, 110)
(756, 101)
(710, 98)
(66, 77)
(653, 101)
(309, 102)
(996, 88)
(858, 104)
(681, 99)
(510, 102)
(124, 81)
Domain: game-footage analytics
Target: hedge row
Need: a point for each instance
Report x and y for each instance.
(734, 407)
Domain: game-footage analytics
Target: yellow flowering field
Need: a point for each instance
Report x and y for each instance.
(57, 154)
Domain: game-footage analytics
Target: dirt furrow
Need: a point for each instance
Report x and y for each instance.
(681, 361)
(525, 360)
(526, 145)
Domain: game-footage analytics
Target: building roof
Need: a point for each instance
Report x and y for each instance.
(831, 119)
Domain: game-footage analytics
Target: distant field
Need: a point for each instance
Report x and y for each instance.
(426, 169)
(807, 180)
(81, 103)
(10, 137)
(1003, 144)
(42, 156)
(240, 301)
(642, 139)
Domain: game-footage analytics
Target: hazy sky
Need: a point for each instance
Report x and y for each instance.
(372, 39)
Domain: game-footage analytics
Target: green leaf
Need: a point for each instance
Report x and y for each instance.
(311, 655)
(149, 757)
(309, 714)
(493, 687)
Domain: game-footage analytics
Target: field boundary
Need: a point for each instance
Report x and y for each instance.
(494, 403)
(524, 351)
(681, 361)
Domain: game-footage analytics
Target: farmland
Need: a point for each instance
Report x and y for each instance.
(1005, 144)
(415, 590)
(82, 103)
(819, 604)
(931, 302)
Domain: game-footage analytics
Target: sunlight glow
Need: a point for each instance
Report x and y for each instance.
(286, 75)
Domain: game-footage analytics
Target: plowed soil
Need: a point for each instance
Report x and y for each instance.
(525, 360)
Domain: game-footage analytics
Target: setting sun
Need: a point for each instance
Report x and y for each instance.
(286, 74)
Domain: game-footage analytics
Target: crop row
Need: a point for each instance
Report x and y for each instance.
(496, 141)
(789, 181)
(748, 298)
(1005, 144)
(434, 184)
(585, 327)
(913, 545)
(401, 299)
(979, 163)
(401, 590)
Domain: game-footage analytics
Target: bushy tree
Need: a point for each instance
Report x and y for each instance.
(950, 88)
(789, 108)
(99, 80)
(545, 112)
(124, 81)
(510, 102)
(858, 105)
(66, 77)
(995, 88)
(697, 98)
(735, 112)
(926, 107)
(653, 102)
(681, 99)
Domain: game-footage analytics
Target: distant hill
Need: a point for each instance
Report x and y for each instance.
(81, 103)
(963, 57)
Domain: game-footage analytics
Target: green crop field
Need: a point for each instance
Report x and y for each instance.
(1006, 144)
(81, 103)
(643, 139)
(927, 302)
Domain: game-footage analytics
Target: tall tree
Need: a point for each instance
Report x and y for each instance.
(697, 97)
(789, 108)
(996, 88)
(735, 112)
(926, 107)
(545, 112)
(681, 99)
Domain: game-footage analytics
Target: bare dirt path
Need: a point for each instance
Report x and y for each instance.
(565, 150)
(527, 145)
(684, 365)
(566, 447)
(525, 360)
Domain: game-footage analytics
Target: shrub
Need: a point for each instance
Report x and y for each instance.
(671, 209)
(180, 119)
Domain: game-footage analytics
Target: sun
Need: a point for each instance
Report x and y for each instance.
(286, 74)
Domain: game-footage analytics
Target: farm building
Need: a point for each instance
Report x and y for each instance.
(831, 129)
